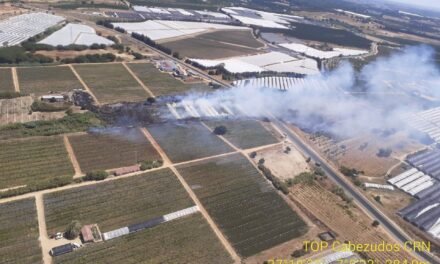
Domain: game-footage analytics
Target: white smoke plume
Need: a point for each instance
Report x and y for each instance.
(394, 88)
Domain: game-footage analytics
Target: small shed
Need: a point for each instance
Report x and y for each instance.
(87, 234)
(61, 250)
(52, 98)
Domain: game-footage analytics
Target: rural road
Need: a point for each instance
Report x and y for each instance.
(386, 223)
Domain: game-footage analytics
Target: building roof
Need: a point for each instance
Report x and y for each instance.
(86, 233)
(60, 250)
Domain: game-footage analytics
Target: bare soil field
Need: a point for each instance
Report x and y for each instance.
(348, 223)
(35, 163)
(237, 37)
(245, 134)
(112, 148)
(283, 165)
(251, 214)
(19, 232)
(111, 82)
(185, 240)
(6, 82)
(118, 203)
(43, 80)
(187, 141)
(207, 49)
(161, 83)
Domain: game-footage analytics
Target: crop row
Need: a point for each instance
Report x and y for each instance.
(250, 213)
(117, 203)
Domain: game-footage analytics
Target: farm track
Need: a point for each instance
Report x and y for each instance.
(15, 79)
(76, 167)
(44, 239)
(84, 84)
(138, 80)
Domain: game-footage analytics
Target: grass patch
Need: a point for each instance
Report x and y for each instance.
(19, 232)
(111, 83)
(36, 163)
(185, 240)
(245, 133)
(198, 48)
(42, 80)
(118, 203)
(6, 82)
(112, 148)
(187, 141)
(161, 83)
(249, 211)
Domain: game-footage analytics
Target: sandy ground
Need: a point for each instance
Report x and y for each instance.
(283, 165)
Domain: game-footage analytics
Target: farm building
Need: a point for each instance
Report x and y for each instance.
(61, 250)
(167, 66)
(17, 29)
(53, 98)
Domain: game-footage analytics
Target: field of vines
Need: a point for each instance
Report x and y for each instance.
(247, 209)
(185, 240)
(245, 133)
(42, 80)
(19, 232)
(187, 141)
(6, 83)
(111, 83)
(118, 203)
(37, 163)
(158, 82)
(112, 148)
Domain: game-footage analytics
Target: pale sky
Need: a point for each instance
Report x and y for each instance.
(422, 3)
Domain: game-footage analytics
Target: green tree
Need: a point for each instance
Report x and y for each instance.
(73, 230)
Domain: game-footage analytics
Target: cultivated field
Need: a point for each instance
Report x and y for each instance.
(247, 209)
(34, 162)
(111, 83)
(199, 48)
(112, 148)
(185, 240)
(118, 203)
(245, 133)
(42, 80)
(187, 141)
(19, 232)
(331, 210)
(158, 82)
(238, 37)
(6, 83)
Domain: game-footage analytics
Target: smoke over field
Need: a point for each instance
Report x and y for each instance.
(394, 87)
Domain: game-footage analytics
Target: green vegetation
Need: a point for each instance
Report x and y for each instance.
(158, 82)
(112, 148)
(91, 58)
(117, 203)
(91, 4)
(212, 5)
(111, 83)
(95, 176)
(148, 165)
(19, 55)
(10, 95)
(307, 178)
(220, 130)
(73, 230)
(245, 133)
(19, 232)
(36, 163)
(6, 82)
(250, 213)
(185, 240)
(279, 185)
(42, 80)
(187, 141)
(40, 106)
(68, 124)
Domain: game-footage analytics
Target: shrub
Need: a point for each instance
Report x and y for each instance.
(375, 223)
(253, 154)
(39, 106)
(96, 176)
(148, 165)
(73, 230)
(220, 130)
(10, 95)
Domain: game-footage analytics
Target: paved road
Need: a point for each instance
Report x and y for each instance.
(388, 224)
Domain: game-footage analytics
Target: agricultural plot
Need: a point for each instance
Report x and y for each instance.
(200, 48)
(186, 240)
(36, 163)
(6, 82)
(19, 232)
(111, 83)
(247, 209)
(237, 37)
(112, 148)
(42, 80)
(245, 133)
(187, 141)
(161, 83)
(118, 203)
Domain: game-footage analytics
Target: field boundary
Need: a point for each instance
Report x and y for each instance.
(72, 156)
(84, 84)
(138, 80)
(44, 239)
(15, 79)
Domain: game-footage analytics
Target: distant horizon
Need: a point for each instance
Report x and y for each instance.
(430, 4)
